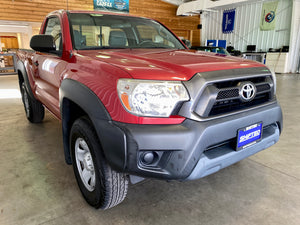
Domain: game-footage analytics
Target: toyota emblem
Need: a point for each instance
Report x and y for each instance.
(247, 91)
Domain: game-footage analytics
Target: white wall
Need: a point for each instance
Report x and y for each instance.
(294, 55)
(246, 28)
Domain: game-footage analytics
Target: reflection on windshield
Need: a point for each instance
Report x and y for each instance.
(100, 31)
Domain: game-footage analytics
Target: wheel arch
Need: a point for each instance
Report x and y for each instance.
(77, 100)
(23, 77)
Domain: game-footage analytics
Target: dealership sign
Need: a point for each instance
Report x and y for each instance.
(228, 21)
(112, 5)
(268, 16)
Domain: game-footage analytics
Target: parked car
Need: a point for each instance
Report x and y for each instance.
(136, 104)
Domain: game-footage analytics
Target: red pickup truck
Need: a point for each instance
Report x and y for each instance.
(136, 103)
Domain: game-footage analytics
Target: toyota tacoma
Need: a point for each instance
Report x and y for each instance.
(135, 102)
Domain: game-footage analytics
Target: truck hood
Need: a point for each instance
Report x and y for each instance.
(165, 64)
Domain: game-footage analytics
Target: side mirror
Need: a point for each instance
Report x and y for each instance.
(187, 43)
(42, 43)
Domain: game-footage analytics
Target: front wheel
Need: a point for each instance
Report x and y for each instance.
(101, 186)
(34, 110)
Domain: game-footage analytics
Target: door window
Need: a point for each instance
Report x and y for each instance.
(53, 28)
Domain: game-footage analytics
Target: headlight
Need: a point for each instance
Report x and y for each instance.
(151, 98)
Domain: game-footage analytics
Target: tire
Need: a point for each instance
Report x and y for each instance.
(34, 110)
(101, 186)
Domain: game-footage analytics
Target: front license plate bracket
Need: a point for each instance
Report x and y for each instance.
(249, 136)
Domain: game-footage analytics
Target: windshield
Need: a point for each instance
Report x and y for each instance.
(97, 31)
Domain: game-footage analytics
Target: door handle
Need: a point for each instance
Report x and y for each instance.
(36, 63)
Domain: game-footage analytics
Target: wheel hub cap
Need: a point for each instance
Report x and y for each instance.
(85, 164)
(88, 161)
(26, 102)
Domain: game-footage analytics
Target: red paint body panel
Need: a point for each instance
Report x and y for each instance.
(100, 70)
(162, 64)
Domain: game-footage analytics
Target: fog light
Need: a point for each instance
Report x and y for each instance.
(148, 158)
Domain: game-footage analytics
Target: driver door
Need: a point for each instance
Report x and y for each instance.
(49, 69)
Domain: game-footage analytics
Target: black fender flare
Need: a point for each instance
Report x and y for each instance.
(111, 137)
(20, 67)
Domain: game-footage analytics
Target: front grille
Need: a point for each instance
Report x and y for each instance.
(233, 83)
(224, 97)
(262, 87)
(231, 93)
(236, 104)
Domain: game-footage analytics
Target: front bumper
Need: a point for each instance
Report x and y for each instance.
(193, 149)
(182, 150)
(223, 156)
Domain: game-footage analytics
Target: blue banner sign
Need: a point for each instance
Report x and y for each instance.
(228, 21)
(112, 5)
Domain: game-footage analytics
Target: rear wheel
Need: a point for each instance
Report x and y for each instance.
(34, 110)
(101, 186)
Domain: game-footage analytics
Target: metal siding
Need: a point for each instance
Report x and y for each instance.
(247, 27)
